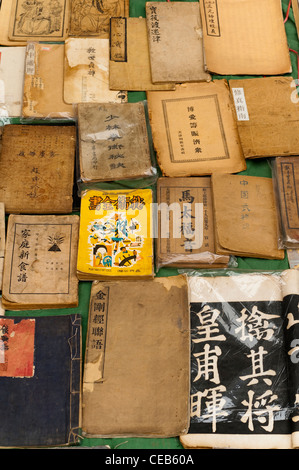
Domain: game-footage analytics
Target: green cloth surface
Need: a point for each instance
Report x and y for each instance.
(260, 167)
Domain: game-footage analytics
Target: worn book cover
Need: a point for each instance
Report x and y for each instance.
(245, 38)
(267, 116)
(115, 238)
(185, 224)
(37, 168)
(245, 216)
(175, 42)
(86, 72)
(93, 18)
(43, 82)
(145, 386)
(244, 377)
(295, 8)
(194, 130)
(12, 63)
(44, 20)
(129, 65)
(40, 377)
(5, 15)
(286, 184)
(113, 142)
(2, 241)
(40, 262)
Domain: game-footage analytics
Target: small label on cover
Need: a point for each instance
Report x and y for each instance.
(240, 104)
(30, 60)
(118, 39)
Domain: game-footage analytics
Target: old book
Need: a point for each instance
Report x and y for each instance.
(245, 216)
(293, 258)
(2, 241)
(37, 168)
(185, 224)
(295, 7)
(115, 238)
(113, 142)
(286, 184)
(12, 63)
(267, 116)
(40, 262)
(194, 130)
(175, 42)
(245, 38)
(5, 15)
(244, 364)
(45, 20)
(146, 386)
(93, 18)
(129, 65)
(43, 82)
(40, 371)
(86, 72)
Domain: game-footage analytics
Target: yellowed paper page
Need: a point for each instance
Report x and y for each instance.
(12, 64)
(5, 15)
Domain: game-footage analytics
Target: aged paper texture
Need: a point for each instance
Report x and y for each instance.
(92, 18)
(295, 6)
(113, 142)
(147, 384)
(5, 15)
(175, 42)
(2, 241)
(12, 63)
(194, 130)
(245, 37)
(37, 168)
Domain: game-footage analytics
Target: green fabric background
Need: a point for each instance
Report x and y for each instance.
(260, 167)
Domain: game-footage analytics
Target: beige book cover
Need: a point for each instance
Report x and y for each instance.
(40, 262)
(37, 167)
(194, 130)
(43, 20)
(175, 42)
(185, 224)
(5, 15)
(113, 142)
(12, 65)
(245, 37)
(2, 240)
(86, 72)
(295, 7)
(43, 82)
(129, 66)
(141, 390)
(93, 17)
(245, 216)
(267, 116)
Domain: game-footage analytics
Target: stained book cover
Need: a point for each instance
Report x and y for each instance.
(40, 262)
(86, 72)
(94, 19)
(245, 216)
(113, 142)
(267, 116)
(37, 168)
(43, 82)
(12, 63)
(40, 371)
(144, 386)
(175, 42)
(244, 378)
(185, 224)
(2, 240)
(245, 38)
(115, 237)
(194, 130)
(129, 64)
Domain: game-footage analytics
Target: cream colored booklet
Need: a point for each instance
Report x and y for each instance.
(245, 37)
(12, 66)
(194, 130)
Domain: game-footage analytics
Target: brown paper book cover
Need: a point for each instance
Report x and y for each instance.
(245, 216)
(37, 168)
(175, 42)
(5, 15)
(245, 37)
(144, 386)
(2, 240)
(86, 72)
(93, 18)
(129, 66)
(185, 224)
(194, 130)
(295, 7)
(43, 82)
(267, 116)
(40, 262)
(113, 142)
(45, 20)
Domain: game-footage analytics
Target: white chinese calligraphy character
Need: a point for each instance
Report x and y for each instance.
(209, 327)
(265, 415)
(255, 324)
(207, 363)
(258, 368)
(214, 404)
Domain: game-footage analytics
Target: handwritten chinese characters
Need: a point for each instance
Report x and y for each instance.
(155, 32)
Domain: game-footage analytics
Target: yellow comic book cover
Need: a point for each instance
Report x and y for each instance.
(115, 234)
